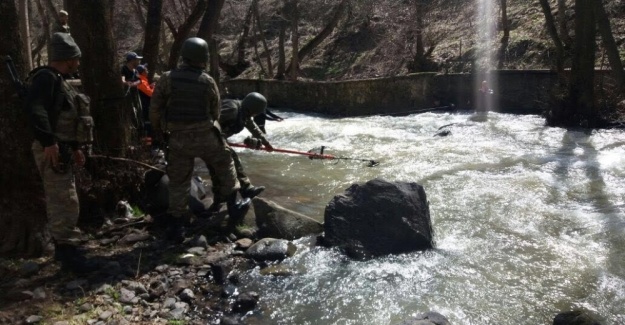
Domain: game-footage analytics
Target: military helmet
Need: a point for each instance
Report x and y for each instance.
(195, 50)
(254, 104)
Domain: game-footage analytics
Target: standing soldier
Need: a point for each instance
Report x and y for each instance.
(185, 103)
(62, 125)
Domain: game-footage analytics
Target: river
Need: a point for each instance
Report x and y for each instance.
(528, 220)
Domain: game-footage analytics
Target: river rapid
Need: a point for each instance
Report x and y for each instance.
(528, 220)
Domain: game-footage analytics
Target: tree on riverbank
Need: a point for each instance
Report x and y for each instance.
(22, 211)
(577, 105)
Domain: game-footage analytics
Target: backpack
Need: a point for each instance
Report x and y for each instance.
(71, 124)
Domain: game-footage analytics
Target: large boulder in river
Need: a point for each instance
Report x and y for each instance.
(379, 218)
(275, 221)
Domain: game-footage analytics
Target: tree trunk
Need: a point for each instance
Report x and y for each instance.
(553, 32)
(261, 35)
(214, 60)
(603, 24)
(208, 26)
(23, 217)
(139, 14)
(44, 37)
(281, 50)
(293, 67)
(100, 76)
(583, 64)
(325, 32)
(25, 31)
(152, 35)
(243, 38)
(562, 24)
(183, 33)
(506, 34)
(54, 12)
(254, 40)
(210, 21)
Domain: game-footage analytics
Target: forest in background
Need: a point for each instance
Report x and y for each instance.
(366, 38)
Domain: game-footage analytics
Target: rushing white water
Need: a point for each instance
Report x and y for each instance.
(528, 220)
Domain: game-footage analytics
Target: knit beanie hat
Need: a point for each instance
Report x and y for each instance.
(63, 47)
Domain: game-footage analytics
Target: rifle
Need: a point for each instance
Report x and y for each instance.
(20, 88)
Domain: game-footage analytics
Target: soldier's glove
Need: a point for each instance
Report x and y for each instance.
(253, 143)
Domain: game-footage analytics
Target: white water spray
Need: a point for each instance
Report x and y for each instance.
(486, 48)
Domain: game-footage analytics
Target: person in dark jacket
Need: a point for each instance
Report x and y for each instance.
(63, 128)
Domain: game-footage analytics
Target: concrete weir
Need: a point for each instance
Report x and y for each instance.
(519, 91)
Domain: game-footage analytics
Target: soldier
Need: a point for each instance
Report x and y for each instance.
(62, 125)
(185, 103)
(235, 116)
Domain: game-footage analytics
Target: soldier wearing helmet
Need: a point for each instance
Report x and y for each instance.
(185, 103)
(235, 116)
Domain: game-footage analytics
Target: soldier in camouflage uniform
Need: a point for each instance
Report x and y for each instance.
(62, 125)
(185, 104)
(235, 116)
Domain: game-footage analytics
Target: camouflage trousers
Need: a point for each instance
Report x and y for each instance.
(207, 144)
(61, 199)
(241, 176)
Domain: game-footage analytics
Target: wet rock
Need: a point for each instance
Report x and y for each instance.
(169, 303)
(189, 259)
(76, 284)
(126, 296)
(246, 233)
(29, 269)
(135, 286)
(86, 307)
(196, 250)
(199, 241)
(134, 237)
(105, 315)
(161, 268)
(34, 319)
(245, 302)
(39, 293)
(108, 241)
(576, 317)
(275, 221)
(228, 290)
(244, 243)
(276, 270)
(230, 320)
(103, 288)
(127, 310)
(271, 249)
(180, 285)
(177, 313)
(187, 295)
(429, 318)
(123, 209)
(379, 218)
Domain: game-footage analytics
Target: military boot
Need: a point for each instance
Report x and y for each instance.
(73, 259)
(236, 210)
(251, 191)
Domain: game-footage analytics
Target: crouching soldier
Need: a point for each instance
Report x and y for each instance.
(235, 116)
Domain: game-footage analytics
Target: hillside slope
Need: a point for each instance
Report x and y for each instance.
(377, 39)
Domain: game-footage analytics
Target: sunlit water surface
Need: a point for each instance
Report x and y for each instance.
(528, 220)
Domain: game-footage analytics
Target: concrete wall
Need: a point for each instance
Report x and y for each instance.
(518, 91)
